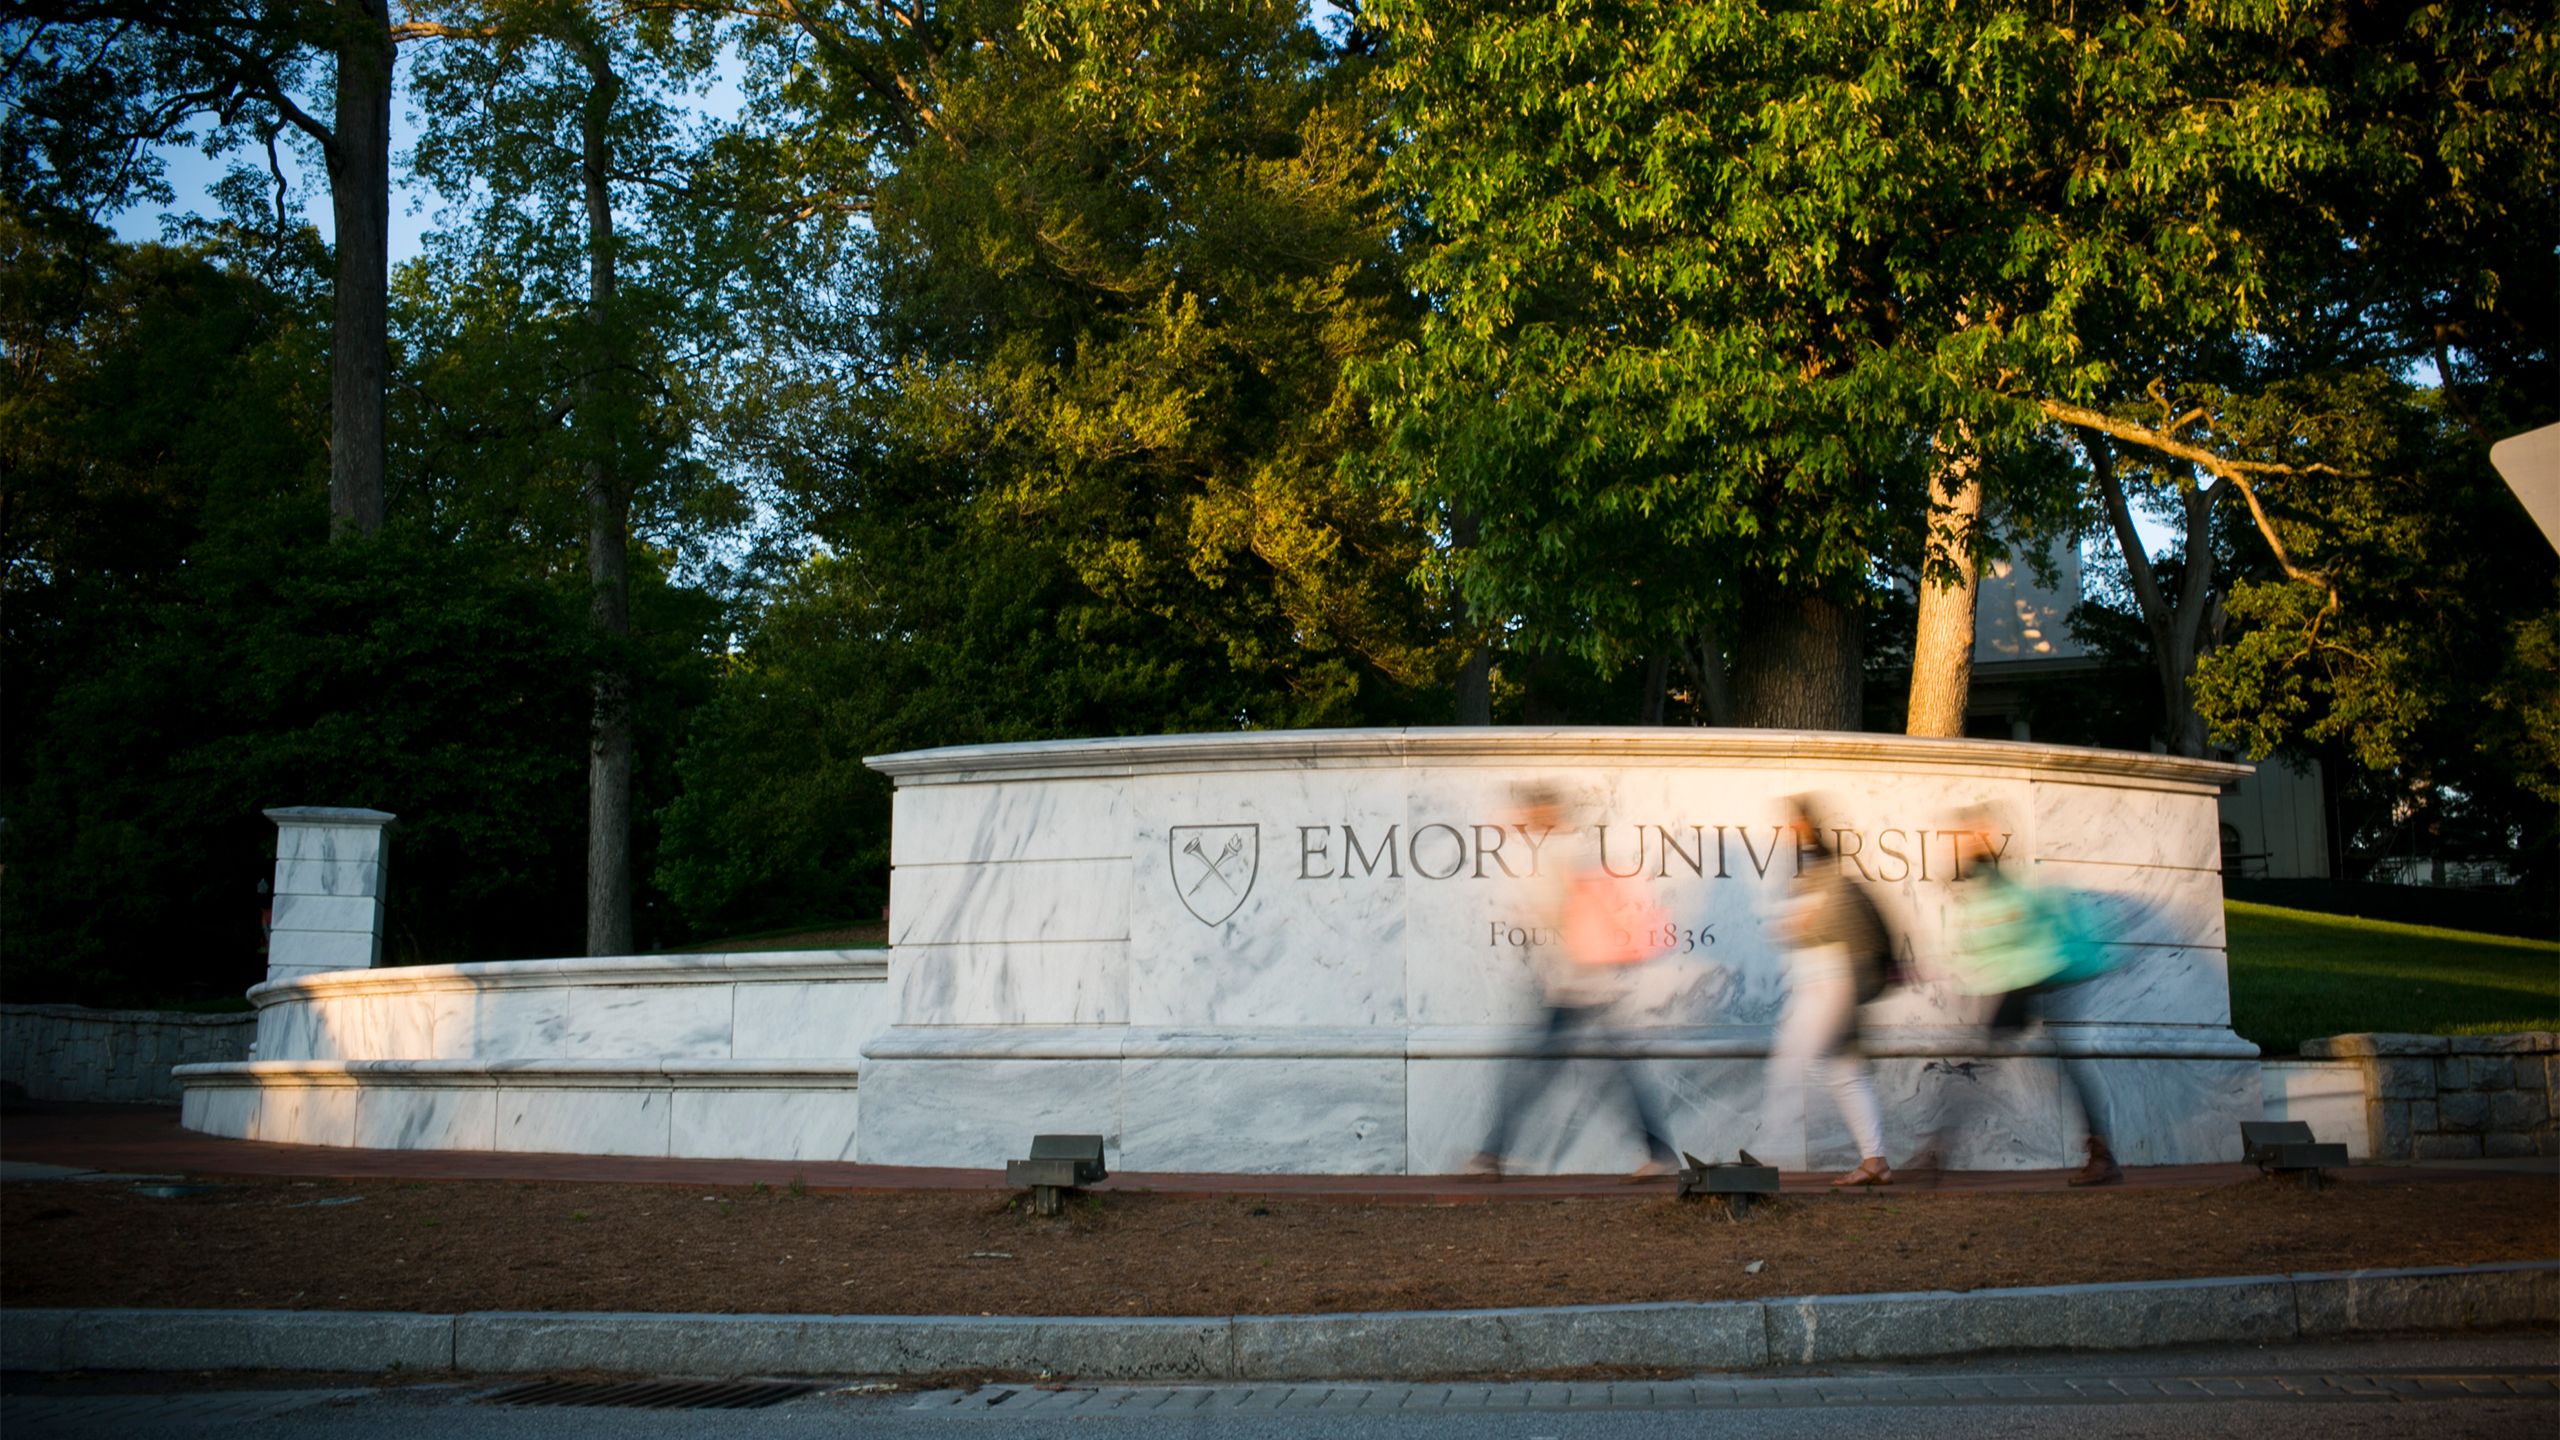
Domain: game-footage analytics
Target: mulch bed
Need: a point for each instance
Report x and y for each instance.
(451, 1246)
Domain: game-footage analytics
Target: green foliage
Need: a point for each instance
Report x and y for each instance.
(1120, 282)
(2296, 975)
(1018, 369)
(527, 368)
(777, 821)
(2416, 539)
(407, 678)
(93, 89)
(1709, 280)
(2420, 660)
(2420, 233)
(1080, 471)
(184, 648)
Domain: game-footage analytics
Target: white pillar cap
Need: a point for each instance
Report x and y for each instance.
(328, 815)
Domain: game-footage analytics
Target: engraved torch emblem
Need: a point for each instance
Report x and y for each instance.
(1213, 867)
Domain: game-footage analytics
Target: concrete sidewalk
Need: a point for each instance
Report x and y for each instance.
(1732, 1335)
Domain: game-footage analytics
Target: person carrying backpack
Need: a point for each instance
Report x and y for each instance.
(1839, 958)
(2017, 945)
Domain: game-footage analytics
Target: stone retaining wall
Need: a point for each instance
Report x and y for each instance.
(71, 1052)
(2455, 1097)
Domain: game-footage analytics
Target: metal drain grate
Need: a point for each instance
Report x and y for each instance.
(653, 1394)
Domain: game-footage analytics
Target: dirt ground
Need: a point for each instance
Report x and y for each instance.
(452, 1246)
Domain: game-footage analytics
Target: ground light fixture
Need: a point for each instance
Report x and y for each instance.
(1737, 1184)
(2285, 1150)
(1058, 1164)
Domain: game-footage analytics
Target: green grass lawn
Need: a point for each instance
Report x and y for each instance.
(2297, 974)
(850, 935)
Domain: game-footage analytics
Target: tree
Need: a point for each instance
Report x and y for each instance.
(185, 645)
(2408, 222)
(1070, 431)
(1747, 280)
(1118, 279)
(2178, 623)
(100, 81)
(2421, 656)
(549, 119)
(1702, 281)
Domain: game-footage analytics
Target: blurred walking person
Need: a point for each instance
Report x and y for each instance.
(1591, 930)
(1839, 958)
(2017, 947)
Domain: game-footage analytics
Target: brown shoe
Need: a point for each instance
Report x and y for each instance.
(1870, 1171)
(2101, 1169)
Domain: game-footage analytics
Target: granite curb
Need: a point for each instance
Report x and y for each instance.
(1379, 1345)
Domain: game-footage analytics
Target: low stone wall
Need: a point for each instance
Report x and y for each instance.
(2454, 1097)
(71, 1052)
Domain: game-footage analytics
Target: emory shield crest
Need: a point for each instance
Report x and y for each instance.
(1213, 867)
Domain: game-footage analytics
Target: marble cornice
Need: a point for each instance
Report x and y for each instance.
(2097, 1039)
(782, 966)
(522, 1074)
(1624, 745)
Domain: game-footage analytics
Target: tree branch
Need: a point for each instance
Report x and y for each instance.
(2137, 561)
(2221, 467)
(2444, 382)
(275, 167)
(408, 30)
(2198, 580)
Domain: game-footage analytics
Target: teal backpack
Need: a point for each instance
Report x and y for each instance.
(2070, 923)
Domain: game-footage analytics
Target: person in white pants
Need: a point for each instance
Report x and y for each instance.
(1837, 959)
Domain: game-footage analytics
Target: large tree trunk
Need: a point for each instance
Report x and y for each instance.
(610, 747)
(1475, 676)
(1706, 665)
(608, 531)
(359, 154)
(1942, 650)
(2185, 639)
(1475, 686)
(1798, 664)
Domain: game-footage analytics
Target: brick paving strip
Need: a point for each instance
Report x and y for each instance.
(149, 1140)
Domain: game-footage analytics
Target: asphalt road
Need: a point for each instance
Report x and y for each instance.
(2439, 1387)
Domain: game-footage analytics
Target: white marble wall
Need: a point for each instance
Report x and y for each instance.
(2327, 1095)
(1182, 921)
(1199, 947)
(326, 901)
(1429, 1115)
(743, 1056)
(800, 1005)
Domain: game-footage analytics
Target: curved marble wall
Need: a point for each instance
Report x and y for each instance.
(733, 1056)
(1303, 951)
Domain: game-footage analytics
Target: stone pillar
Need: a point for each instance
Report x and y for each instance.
(328, 890)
